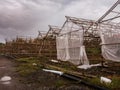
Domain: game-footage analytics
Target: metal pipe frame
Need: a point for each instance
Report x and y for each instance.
(111, 10)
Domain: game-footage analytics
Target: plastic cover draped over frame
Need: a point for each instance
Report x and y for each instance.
(70, 48)
(110, 43)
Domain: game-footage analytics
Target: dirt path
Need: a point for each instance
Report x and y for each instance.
(7, 69)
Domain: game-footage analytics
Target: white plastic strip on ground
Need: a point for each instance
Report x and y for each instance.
(88, 66)
(55, 61)
(53, 71)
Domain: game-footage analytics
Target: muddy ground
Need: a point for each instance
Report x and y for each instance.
(40, 80)
(7, 69)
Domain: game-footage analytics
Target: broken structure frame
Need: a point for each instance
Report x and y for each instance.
(90, 28)
(112, 10)
(78, 31)
(49, 41)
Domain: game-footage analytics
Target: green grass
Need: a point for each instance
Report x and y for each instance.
(30, 73)
(94, 51)
(114, 85)
(25, 66)
(60, 83)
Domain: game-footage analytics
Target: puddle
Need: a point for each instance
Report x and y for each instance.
(6, 82)
(2, 67)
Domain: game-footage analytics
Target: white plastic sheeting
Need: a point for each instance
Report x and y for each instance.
(53, 71)
(70, 48)
(105, 80)
(88, 66)
(110, 43)
(6, 78)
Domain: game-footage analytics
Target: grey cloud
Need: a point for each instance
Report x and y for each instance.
(91, 9)
(26, 17)
(64, 2)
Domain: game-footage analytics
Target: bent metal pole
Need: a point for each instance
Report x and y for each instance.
(75, 78)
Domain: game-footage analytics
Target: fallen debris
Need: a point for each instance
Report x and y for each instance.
(53, 71)
(5, 78)
(72, 72)
(55, 61)
(75, 78)
(105, 80)
(88, 66)
(34, 64)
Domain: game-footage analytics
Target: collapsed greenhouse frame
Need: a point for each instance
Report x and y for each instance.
(48, 43)
(110, 34)
(72, 37)
(89, 33)
(106, 30)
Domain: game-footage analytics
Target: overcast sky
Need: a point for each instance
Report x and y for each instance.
(26, 17)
